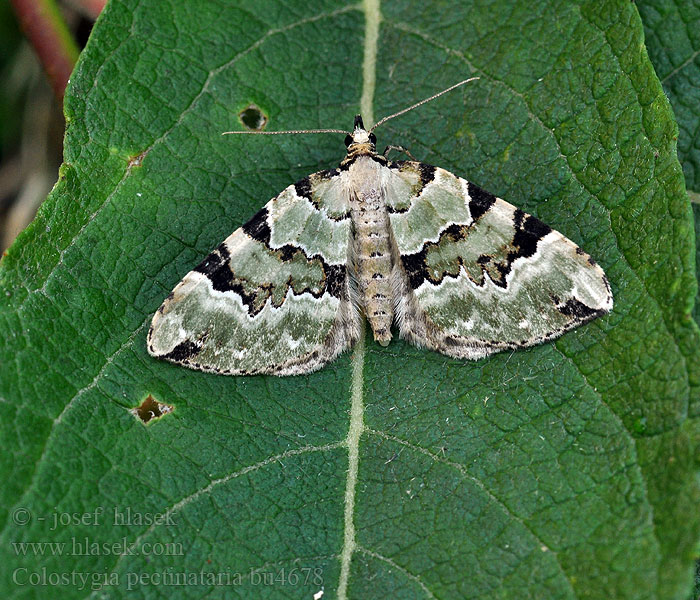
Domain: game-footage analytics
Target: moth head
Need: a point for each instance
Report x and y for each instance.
(360, 135)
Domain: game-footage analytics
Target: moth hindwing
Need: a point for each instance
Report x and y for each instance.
(403, 243)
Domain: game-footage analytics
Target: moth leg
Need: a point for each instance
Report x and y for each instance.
(400, 149)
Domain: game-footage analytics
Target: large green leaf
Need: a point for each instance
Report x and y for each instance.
(564, 471)
(672, 31)
(673, 41)
(696, 214)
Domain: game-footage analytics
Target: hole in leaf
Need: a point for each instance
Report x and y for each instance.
(253, 118)
(135, 161)
(151, 409)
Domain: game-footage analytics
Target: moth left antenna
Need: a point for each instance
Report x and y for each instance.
(283, 132)
(417, 104)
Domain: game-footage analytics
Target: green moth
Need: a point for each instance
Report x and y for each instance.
(400, 243)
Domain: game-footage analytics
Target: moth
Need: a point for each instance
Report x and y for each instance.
(401, 243)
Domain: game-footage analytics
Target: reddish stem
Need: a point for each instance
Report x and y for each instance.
(46, 30)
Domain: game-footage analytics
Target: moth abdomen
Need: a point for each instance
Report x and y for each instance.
(373, 256)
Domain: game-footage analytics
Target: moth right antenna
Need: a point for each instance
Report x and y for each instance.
(417, 104)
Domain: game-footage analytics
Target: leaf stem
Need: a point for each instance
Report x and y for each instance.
(46, 30)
